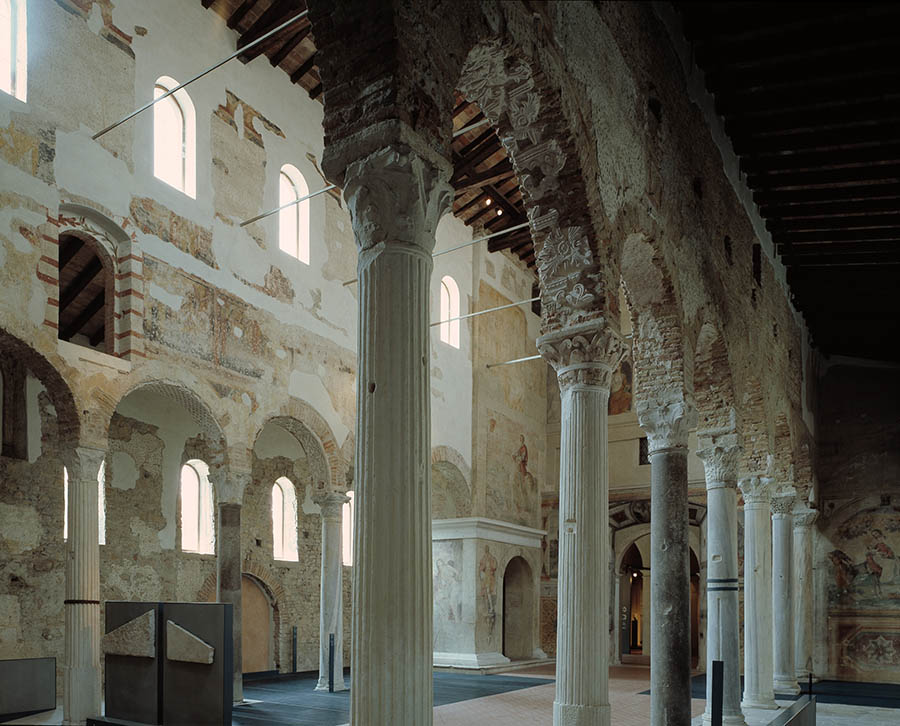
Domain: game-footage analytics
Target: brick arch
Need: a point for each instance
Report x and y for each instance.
(122, 257)
(713, 382)
(314, 434)
(69, 421)
(452, 456)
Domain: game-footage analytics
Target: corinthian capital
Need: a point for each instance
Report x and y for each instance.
(396, 196)
(667, 424)
(330, 504)
(783, 501)
(756, 489)
(804, 517)
(583, 354)
(721, 457)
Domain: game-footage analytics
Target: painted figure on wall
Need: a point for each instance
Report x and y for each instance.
(487, 577)
(524, 485)
(620, 392)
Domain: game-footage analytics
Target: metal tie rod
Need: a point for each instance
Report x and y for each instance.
(485, 312)
(470, 127)
(465, 244)
(236, 53)
(289, 204)
(514, 360)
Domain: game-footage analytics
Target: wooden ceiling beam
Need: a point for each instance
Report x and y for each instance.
(238, 15)
(84, 317)
(207, 3)
(821, 159)
(277, 13)
(68, 248)
(830, 209)
(475, 201)
(883, 234)
(504, 204)
(498, 173)
(305, 68)
(838, 248)
(98, 335)
(879, 132)
(856, 221)
(834, 194)
(845, 115)
(868, 258)
(80, 282)
(289, 45)
(315, 91)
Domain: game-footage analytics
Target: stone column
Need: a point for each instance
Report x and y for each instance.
(81, 664)
(720, 461)
(584, 357)
(230, 490)
(783, 633)
(758, 666)
(646, 611)
(331, 604)
(395, 198)
(804, 518)
(667, 429)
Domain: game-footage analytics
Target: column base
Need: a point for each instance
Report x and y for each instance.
(803, 677)
(728, 719)
(786, 685)
(566, 714)
(764, 703)
(339, 685)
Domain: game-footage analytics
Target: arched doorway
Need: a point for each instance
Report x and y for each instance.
(632, 598)
(518, 610)
(257, 627)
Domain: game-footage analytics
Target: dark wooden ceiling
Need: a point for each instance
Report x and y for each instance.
(82, 292)
(487, 191)
(810, 97)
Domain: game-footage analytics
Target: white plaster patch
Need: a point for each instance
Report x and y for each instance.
(169, 299)
(238, 333)
(36, 306)
(106, 183)
(33, 389)
(309, 506)
(309, 388)
(125, 471)
(245, 397)
(280, 353)
(20, 527)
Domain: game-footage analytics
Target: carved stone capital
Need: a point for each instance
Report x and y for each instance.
(85, 464)
(783, 501)
(667, 425)
(229, 485)
(396, 197)
(331, 504)
(585, 354)
(804, 517)
(756, 490)
(721, 456)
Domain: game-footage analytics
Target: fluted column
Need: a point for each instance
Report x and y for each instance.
(720, 461)
(667, 427)
(230, 486)
(583, 357)
(783, 633)
(804, 518)
(758, 666)
(81, 665)
(331, 607)
(395, 198)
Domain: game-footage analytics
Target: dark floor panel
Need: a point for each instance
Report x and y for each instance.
(295, 701)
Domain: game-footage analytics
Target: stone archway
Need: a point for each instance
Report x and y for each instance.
(518, 610)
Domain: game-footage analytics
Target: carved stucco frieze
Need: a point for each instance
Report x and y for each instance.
(721, 456)
(666, 424)
(395, 196)
(756, 489)
(585, 354)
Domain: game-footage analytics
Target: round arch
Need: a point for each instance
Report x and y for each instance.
(518, 609)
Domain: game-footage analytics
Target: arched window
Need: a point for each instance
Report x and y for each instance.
(101, 503)
(174, 138)
(293, 221)
(449, 310)
(347, 532)
(13, 50)
(87, 293)
(284, 521)
(197, 526)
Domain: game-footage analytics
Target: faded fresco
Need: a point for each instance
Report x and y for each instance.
(550, 541)
(512, 491)
(621, 388)
(447, 569)
(863, 595)
(487, 590)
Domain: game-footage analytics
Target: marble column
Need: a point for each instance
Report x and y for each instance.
(646, 612)
(230, 487)
(584, 357)
(758, 663)
(720, 460)
(804, 518)
(667, 427)
(396, 198)
(331, 604)
(81, 660)
(784, 680)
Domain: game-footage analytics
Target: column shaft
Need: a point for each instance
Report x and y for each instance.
(803, 592)
(758, 691)
(670, 589)
(81, 665)
(331, 610)
(228, 580)
(783, 635)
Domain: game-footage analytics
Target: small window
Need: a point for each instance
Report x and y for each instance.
(449, 311)
(284, 521)
(101, 503)
(347, 532)
(197, 525)
(174, 138)
(13, 50)
(293, 220)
